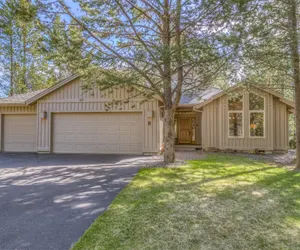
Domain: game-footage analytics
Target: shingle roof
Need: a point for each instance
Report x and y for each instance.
(20, 98)
(185, 99)
(200, 97)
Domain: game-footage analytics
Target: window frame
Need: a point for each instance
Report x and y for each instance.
(243, 119)
(257, 111)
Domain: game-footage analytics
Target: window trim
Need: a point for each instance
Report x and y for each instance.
(243, 119)
(257, 111)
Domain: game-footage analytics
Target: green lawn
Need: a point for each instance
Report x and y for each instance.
(222, 202)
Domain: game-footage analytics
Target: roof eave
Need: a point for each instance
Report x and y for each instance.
(12, 104)
(280, 96)
(186, 105)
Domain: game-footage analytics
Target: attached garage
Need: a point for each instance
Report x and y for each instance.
(67, 118)
(107, 133)
(19, 133)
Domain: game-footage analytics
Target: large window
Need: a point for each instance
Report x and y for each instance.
(235, 115)
(257, 115)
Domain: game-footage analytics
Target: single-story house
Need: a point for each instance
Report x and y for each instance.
(65, 118)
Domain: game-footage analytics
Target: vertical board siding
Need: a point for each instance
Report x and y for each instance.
(281, 140)
(18, 109)
(71, 98)
(210, 125)
(74, 91)
(247, 142)
(215, 125)
(198, 129)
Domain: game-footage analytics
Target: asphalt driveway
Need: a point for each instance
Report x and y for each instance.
(48, 201)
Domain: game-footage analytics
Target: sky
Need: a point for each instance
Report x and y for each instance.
(75, 10)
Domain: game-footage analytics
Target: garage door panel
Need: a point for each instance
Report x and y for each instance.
(68, 138)
(93, 128)
(64, 147)
(124, 138)
(134, 138)
(97, 133)
(86, 148)
(113, 137)
(133, 118)
(112, 148)
(19, 133)
(124, 127)
(113, 127)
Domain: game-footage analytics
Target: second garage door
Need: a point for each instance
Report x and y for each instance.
(113, 133)
(19, 133)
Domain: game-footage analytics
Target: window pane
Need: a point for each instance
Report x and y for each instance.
(256, 102)
(235, 102)
(256, 124)
(235, 124)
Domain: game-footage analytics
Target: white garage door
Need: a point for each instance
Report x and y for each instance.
(108, 133)
(19, 133)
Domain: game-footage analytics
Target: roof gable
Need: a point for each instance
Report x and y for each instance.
(202, 95)
(51, 89)
(291, 104)
(71, 89)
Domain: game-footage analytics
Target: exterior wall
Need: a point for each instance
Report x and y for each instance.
(213, 121)
(13, 110)
(198, 129)
(211, 125)
(281, 120)
(72, 98)
(215, 125)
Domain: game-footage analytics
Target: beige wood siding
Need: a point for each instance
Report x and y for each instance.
(210, 125)
(97, 133)
(281, 139)
(198, 129)
(72, 99)
(13, 110)
(215, 125)
(247, 142)
(19, 133)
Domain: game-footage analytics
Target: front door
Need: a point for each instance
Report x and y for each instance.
(185, 130)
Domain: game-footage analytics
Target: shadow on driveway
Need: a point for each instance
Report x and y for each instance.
(48, 201)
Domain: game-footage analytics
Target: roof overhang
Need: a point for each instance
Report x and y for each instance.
(281, 98)
(186, 105)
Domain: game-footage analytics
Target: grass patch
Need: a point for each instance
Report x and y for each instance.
(221, 202)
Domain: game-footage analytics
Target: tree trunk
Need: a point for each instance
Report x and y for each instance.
(294, 42)
(24, 69)
(169, 135)
(11, 47)
(169, 132)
